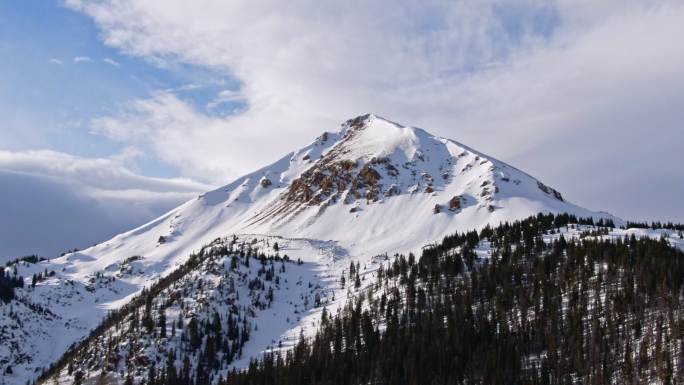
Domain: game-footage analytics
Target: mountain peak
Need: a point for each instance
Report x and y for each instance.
(365, 120)
(373, 179)
(370, 136)
(373, 162)
(373, 187)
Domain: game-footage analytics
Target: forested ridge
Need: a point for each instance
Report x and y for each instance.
(570, 311)
(7, 284)
(552, 299)
(190, 325)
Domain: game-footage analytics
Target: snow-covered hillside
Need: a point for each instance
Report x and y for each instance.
(371, 188)
(226, 308)
(373, 180)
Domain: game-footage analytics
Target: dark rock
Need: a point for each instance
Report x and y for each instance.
(455, 203)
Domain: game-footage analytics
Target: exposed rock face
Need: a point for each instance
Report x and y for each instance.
(372, 160)
(369, 175)
(550, 191)
(392, 191)
(455, 203)
(299, 191)
(265, 182)
(437, 209)
(336, 176)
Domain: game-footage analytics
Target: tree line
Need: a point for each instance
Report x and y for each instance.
(541, 309)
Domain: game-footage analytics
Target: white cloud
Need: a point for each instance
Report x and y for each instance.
(55, 61)
(94, 173)
(82, 59)
(176, 132)
(111, 62)
(561, 88)
(60, 201)
(224, 97)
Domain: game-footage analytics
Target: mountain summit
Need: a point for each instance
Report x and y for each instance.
(372, 180)
(372, 187)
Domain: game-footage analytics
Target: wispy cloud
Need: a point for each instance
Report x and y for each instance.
(165, 125)
(55, 61)
(111, 62)
(82, 59)
(94, 173)
(224, 97)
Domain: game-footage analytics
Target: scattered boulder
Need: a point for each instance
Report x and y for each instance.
(392, 191)
(372, 195)
(429, 189)
(543, 187)
(347, 165)
(369, 175)
(265, 182)
(557, 195)
(437, 209)
(548, 190)
(161, 240)
(455, 203)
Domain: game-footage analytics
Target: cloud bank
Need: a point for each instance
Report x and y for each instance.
(585, 96)
(53, 202)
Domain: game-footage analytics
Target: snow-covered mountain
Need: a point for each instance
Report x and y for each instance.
(373, 187)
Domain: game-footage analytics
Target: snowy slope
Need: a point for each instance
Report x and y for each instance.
(43, 321)
(373, 187)
(360, 186)
(223, 287)
(249, 301)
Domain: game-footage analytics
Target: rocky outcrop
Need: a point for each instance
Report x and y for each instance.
(455, 203)
(437, 209)
(548, 190)
(392, 191)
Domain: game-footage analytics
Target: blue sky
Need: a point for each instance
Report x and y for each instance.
(171, 98)
(57, 75)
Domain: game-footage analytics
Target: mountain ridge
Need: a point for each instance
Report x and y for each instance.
(300, 184)
(370, 188)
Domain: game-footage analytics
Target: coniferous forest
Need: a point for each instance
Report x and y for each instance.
(588, 311)
(514, 304)
(7, 284)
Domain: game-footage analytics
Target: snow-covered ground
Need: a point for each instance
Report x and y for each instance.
(392, 209)
(373, 187)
